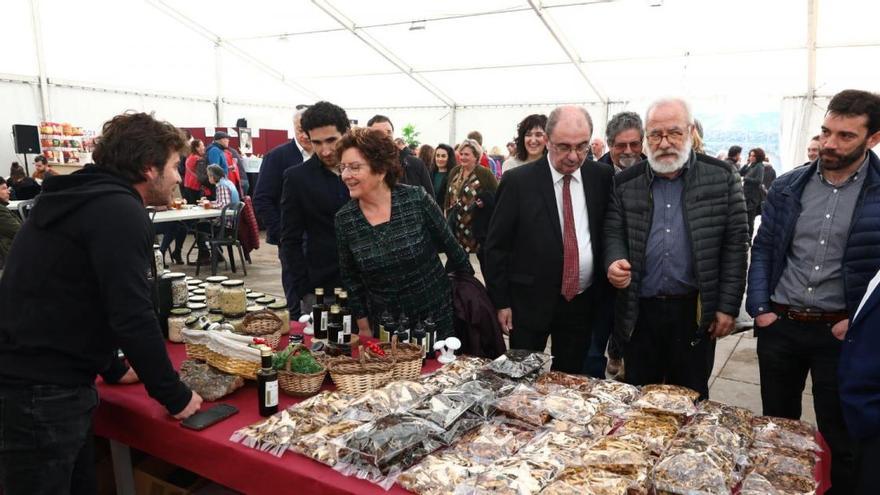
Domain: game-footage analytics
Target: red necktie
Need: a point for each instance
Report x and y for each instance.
(570, 262)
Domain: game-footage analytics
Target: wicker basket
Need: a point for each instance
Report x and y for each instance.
(356, 376)
(233, 366)
(407, 359)
(225, 351)
(300, 384)
(197, 351)
(262, 323)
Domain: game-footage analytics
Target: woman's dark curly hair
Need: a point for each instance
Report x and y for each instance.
(132, 142)
(760, 156)
(379, 150)
(450, 162)
(527, 124)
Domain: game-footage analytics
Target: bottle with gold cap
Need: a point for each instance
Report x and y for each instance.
(335, 334)
(267, 383)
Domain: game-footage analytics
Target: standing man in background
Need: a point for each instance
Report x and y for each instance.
(415, 172)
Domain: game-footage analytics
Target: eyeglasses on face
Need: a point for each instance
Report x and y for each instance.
(633, 145)
(353, 168)
(564, 148)
(673, 136)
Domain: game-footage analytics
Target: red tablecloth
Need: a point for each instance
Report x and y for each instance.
(128, 415)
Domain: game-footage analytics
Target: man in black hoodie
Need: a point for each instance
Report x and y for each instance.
(75, 290)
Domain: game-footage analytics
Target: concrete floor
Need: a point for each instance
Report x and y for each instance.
(734, 378)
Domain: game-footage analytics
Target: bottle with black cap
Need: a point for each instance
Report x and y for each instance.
(418, 338)
(267, 383)
(430, 336)
(387, 326)
(347, 327)
(320, 315)
(335, 335)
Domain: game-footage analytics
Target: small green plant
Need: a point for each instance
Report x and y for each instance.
(411, 135)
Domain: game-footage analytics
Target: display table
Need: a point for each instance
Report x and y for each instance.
(129, 417)
(195, 213)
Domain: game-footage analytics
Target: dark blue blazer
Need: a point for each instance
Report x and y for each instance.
(267, 192)
(859, 371)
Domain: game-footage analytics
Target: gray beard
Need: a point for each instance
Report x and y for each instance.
(671, 168)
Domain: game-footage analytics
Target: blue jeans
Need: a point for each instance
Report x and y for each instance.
(46, 444)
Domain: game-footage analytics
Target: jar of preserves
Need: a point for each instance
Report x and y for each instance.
(280, 310)
(197, 308)
(212, 291)
(254, 308)
(198, 299)
(265, 300)
(197, 292)
(233, 300)
(179, 291)
(177, 322)
(253, 296)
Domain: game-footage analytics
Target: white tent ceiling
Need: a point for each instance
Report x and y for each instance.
(425, 55)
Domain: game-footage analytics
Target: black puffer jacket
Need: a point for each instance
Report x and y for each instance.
(716, 219)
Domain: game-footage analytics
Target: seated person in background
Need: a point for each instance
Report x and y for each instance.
(9, 223)
(23, 187)
(227, 193)
(42, 168)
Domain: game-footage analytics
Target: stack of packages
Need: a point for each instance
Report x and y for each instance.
(510, 427)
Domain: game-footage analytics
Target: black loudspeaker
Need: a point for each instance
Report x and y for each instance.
(242, 122)
(27, 139)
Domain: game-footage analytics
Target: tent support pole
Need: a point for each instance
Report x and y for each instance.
(218, 79)
(453, 116)
(41, 61)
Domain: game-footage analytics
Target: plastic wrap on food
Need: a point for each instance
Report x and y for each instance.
(569, 405)
(736, 419)
(784, 460)
(614, 391)
(554, 380)
(525, 404)
(515, 475)
(486, 389)
(275, 433)
(439, 473)
(395, 397)
(569, 449)
(517, 363)
(319, 445)
(493, 441)
(776, 484)
(380, 449)
(600, 425)
(668, 399)
(723, 445)
(755, 484)
(579, 480)
(466, 423)
(619, 456)
(781, 432)
(324, 405)
(653, 431)
(689, 473)
(446, 407)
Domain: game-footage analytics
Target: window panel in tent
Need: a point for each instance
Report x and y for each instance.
(366, 13)
(127, 45)
(390, 90)
(492, 40)
(550, 84)
(17, 38)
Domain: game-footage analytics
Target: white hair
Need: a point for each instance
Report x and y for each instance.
(689, 115)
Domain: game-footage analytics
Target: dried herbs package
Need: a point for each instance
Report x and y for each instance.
(555, 380)
(782, 432)
(578, 480)
(569, 449)
(690, 473)
(381, 449)
(517, 363)
(524, 404)
(777, 484)
(394, 397)
(515, 475)
(275, 433)
(619, 456)
(652, 431)
(493, 441)
(439, 474)
(614, 391)
(466, 423)
(319, 445)
(736, 419)
(667, 399)
(788, 471)
(569, 405)
(210, 383)
(445, 408)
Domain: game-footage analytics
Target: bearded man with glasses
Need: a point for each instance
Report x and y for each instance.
(676, 240)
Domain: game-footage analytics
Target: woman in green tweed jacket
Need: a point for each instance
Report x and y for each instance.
(389, 238)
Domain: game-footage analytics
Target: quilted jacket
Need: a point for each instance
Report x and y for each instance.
(715, 213)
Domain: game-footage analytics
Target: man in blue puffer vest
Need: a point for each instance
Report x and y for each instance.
(816, 250)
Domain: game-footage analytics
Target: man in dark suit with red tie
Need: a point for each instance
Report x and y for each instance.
(544, 250)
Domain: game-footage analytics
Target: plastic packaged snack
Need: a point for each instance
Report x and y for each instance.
(524, 404)
(652, 431)
(619, 456)
(518, 474)
(319, 445)
(461, 427)
(777, 484)
(578, 480)
(439, 474)
(736, 419)
(485, 389)
(445, 408)
(554, 380)
(667, 399)
(394, 397)
(781, 432)
(276, 433)
(569, 405)
(517, 363)
(689, 473)
(493, 441)
(783, 460)
(614, 391)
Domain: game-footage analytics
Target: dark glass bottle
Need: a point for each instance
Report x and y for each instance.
(430, 337)
(348, 326)
(404, 329)
(336, 292)
(335, 334)
(419, 338)
(267, 384)
(387, 326)
(320, 315)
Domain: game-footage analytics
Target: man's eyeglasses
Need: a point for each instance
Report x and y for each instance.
(580, 149)
(633, 145)
(674, 136)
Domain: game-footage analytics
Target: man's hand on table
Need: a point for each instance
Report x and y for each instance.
(195, 403)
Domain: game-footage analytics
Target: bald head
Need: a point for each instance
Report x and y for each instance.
(568, 131)
(570, 115)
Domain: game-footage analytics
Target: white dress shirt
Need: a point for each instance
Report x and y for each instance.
(306, 155)
(581, 223)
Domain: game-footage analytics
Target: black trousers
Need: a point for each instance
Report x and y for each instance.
(787, 351)
(46, 442)
(570, 331)
(868, 478)
(665, 347)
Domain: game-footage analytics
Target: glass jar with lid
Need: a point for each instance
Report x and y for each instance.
(233, 300)
(198, 299)
(158, 259)
(280, 310)
(197, 292)
(212, 290)
(264, 301)
(193, 283)
(253, 296)
(179, 291)
(177, 322)
(198, 308)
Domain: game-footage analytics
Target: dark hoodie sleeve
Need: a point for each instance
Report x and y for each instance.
(120, 251)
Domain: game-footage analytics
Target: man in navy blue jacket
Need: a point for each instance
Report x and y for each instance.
(859, 375)
(814, 254)
(311, 195)
(267, 198)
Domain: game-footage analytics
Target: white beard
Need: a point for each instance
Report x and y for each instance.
(670, 168)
